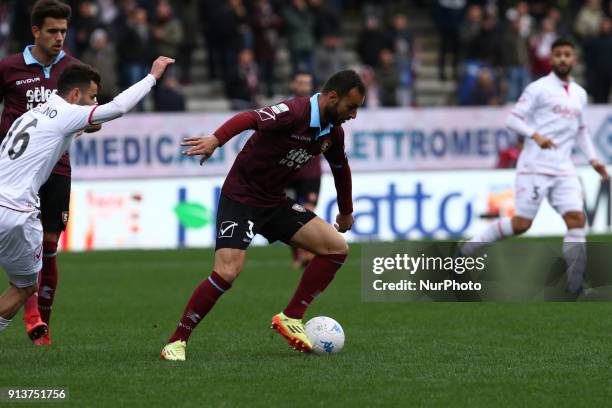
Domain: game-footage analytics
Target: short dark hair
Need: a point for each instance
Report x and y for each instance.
(49, 8)
(560, 42)
(300, 72)
(343, 81)
(77, 76)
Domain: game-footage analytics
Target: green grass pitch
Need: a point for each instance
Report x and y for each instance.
(115, 310)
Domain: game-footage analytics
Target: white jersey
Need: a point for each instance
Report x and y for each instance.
(554, 109)
(38, 138)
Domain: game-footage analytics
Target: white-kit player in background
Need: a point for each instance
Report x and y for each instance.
(30, 149)
(549, 114)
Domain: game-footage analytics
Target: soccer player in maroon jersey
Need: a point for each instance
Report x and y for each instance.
(253, 201)
(28, 79)
(306, 182)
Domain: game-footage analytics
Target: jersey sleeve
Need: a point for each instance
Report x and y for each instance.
(82, 116)
(339, 165)
(520, 116)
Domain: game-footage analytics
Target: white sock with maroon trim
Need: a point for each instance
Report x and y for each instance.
(493, 232)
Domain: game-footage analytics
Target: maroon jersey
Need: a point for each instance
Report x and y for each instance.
(312, 170)
(25, 84)
(287, 137)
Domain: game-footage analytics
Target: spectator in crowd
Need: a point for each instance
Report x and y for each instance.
(469, 32)
(242, 85)
(329, 58)
(368, 76)
(134, 47)
(167, 31)
(515, 57)
(601, 63)
(101, 55)
(327, 20)
(4, 28)
(589, 20)
(487, 42)
(301, 84)
(169, 96)
(266, 23)
(526, 22)
(387, 78)
(210, 14)
(405, 56)
(371, 41)
(84, 23)
(299, 22)
(187, 14)
(485, 93)
(539, 48)
(448, 17)
(243, 37)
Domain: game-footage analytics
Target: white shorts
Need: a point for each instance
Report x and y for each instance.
(21, 237)
(564, 193)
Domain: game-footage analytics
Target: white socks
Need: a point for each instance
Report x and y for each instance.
(574, 253)
(496, 231)
(3, 323)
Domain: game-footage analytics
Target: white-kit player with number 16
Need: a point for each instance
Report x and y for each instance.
(549, 115)
(28, 153)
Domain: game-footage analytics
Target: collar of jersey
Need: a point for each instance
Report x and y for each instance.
(29, 60)
(315, 117)
(559, 81)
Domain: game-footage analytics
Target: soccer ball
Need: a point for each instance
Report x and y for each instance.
(325, 334)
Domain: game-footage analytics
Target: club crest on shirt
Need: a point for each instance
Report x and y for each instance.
(325, 146)
(298, 208)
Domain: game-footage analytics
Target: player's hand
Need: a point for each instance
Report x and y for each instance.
(201, 146)
(601, 169)
(93, 128)
(344, 222)
(160, 65)
(543, 141)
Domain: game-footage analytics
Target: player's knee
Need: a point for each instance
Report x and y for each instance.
(51, 237)
(520, 225)
(337, 246)
(28, 291)
(574, 219)
(229, 272)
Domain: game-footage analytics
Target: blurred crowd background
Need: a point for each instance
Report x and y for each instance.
(238, 54)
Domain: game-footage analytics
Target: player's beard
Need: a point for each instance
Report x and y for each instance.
(562, 71)
(333, 115)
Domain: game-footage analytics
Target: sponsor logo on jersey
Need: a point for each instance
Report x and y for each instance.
(296, 158)
(298, 208)
(566, 111)
(27, 81)
(325, 146)
(302, 138)
(266, 114)
(37, 96)
(280, 108)
(226, 230)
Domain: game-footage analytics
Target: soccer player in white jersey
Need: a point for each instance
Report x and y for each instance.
(549, 114)
(32, 146)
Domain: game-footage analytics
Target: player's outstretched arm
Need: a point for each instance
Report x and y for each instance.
(129, 98)
(82, 117)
